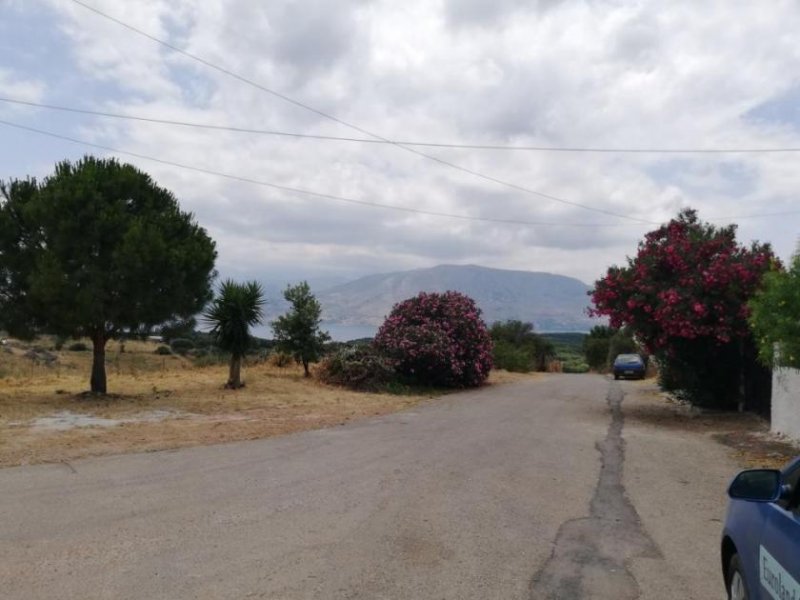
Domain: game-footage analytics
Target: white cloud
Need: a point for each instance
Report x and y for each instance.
(577, 73)
(19, 86)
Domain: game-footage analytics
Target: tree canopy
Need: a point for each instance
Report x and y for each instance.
(95, 250)
(775, 316)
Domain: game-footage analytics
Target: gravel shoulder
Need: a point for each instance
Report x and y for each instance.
(678, 464)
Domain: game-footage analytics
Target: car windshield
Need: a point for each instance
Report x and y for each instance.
(628, 359)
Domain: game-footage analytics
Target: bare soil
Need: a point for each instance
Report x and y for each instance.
(160, 402)
(748, 435)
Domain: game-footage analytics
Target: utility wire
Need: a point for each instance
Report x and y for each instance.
(304, 191)
(335, 138)
(335, 119)
(352, 200)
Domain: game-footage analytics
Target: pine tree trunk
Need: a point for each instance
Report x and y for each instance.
(235, 373)
(305, 368)
(98, 380)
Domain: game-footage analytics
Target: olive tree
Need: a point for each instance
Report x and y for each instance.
(297, 332)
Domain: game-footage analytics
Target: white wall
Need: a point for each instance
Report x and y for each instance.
(786, 402)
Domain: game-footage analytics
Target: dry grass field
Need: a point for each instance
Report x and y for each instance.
(157, 402)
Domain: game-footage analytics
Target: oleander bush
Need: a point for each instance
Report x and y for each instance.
(437, 339)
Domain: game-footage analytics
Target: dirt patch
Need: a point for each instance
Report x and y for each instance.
(66, 420)
(158, 403)
(760, 449)
(747, 434)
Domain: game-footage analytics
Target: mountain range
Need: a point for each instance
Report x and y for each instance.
(551, 302)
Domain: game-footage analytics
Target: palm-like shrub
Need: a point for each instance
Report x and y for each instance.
(437, 339)
(236, 308)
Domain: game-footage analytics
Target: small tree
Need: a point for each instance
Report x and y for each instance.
(518, 348)
(622, 342)
(438, 339)
(236, 309)
(596, 347)
(96, 250)
(297, 332)
(775, 316)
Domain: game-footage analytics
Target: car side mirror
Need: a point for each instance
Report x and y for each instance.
(757, 485)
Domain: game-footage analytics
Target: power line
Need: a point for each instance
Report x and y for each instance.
(456, 146)
(304, 191)
(353, 200)
(335, 119)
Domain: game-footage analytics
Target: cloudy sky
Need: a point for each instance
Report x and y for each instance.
(613, 74)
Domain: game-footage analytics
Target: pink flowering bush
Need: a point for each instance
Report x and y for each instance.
(437, 339)
(685, 296)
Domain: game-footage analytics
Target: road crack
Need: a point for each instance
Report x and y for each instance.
(591, 554)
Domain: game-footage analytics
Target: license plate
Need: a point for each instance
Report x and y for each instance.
(628, 372)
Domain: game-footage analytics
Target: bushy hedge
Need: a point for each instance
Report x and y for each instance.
(517, 347)
(358, 367)
(181, 345)
(437, 339)
(512, 358)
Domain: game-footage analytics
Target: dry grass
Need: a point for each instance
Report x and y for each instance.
(274, 401)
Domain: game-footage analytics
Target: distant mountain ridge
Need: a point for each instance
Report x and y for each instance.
(551, 302)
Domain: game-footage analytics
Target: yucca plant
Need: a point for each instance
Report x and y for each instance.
(237, 308)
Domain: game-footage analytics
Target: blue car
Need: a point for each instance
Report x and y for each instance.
(629, 365)
(761, 538)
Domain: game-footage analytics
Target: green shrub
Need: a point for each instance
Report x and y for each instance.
(574, 366)
(163, 350)
(357, 368)
(181, 345)
(78, 347)
(518, 348)
(512, 358)
(596, 352)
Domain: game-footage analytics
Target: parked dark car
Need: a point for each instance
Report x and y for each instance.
(761, 537)
(629, 365)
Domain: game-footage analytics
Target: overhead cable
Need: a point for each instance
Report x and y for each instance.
(452, 165)
(455, 146)
(306, 192)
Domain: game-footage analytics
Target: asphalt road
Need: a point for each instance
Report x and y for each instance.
(531, 490)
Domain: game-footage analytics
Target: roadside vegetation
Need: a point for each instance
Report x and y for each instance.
(602, 344)
(684, 297)
(775, 316)
(298, 333)
(98, 250)
(165, 401)
(236, 309)
(568, 355)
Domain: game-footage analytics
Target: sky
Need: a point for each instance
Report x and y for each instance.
(609, 74)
